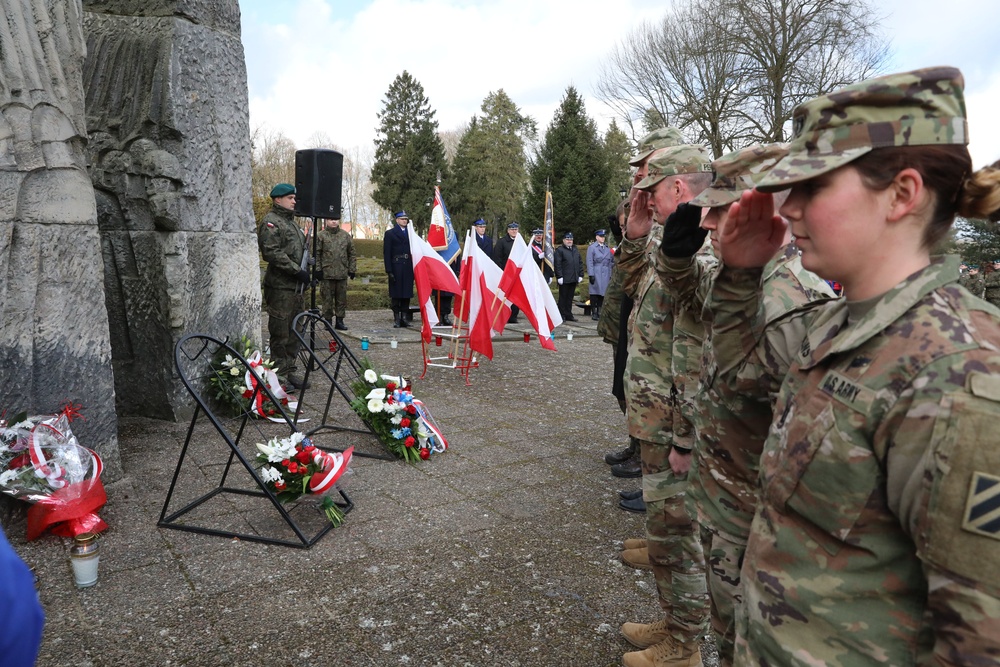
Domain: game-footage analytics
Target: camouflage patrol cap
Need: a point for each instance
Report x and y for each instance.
(919, 108)
(661, 138)
(673, 161)
(739, 171)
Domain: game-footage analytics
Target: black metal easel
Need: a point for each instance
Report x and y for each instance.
(238, 480)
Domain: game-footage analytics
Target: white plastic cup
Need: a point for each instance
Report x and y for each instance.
(393, 343)
(569, 336)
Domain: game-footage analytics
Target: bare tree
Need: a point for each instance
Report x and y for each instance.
(730, 72)
(272, 160)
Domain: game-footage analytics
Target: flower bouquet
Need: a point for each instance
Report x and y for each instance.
(401, 421)
(236, 388)
(293, 467)
(43, 463)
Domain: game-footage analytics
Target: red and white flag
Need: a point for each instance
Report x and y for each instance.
(525, 287)
(430, 272)
(482, 308)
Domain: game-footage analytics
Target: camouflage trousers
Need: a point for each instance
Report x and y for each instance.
(724, 560)
(282, 307)
(674, 546)
(334, 295)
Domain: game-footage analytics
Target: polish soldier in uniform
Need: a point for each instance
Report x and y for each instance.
(282, 245)
(337, 262)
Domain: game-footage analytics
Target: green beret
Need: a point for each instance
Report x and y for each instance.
(282, 190)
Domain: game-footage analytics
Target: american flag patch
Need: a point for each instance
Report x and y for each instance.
(982, 509)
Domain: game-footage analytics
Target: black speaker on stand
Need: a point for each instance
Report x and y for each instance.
(319, 178)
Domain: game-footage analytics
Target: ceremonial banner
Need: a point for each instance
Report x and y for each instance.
(441, 234)
(430, 272)
(550, 233)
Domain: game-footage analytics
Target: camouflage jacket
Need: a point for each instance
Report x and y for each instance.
(991, 288)
(335, 254)
(974, 283)
(281, 244)
(733, 410)
(664, 353)
(876, 540)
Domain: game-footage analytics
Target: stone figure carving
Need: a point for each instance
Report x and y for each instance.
(169, 150)
(55, 345)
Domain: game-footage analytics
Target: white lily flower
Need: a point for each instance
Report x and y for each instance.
(376, 405)
(269, 474)
(296, 438)
(371, 377)
(7, 476)
(378, 392)
(400, 382)
(277, 450)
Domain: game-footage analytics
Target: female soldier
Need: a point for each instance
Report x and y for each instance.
(875, 539)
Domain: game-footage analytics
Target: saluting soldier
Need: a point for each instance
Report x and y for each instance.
(282, 245)
(875, 539)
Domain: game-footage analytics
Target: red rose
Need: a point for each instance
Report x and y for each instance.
(284, 401)
(410, 441)
(303, 456)
(293, 467)
(247, 393)
(425, 454)
(411, 410)
(390, 386)
(279, 485)
(405, 423)
(285, 462)
(19, 462)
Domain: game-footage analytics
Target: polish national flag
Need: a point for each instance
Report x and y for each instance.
(430, 273)
(524, 285)
(482, 308)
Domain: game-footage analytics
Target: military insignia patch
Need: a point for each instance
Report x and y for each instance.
(982, 509)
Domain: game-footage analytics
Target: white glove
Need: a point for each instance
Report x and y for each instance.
(541, 255)
(559, 280)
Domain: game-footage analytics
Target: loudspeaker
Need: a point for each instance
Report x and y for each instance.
(319, 174)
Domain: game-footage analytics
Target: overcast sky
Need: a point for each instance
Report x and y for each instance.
(325, 65)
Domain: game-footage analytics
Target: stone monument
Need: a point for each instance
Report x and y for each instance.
(166, 108)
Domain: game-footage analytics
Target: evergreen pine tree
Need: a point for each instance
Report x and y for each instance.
(575, 163)
(490, 167)
(408, 152)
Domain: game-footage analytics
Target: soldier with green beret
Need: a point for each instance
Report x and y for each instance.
(876, 538)
(282, 245)
(663, 365)
(336, 262)
(733, 416)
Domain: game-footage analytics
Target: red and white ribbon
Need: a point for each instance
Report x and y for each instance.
(258, 369)
(425, 416)
(332, 466)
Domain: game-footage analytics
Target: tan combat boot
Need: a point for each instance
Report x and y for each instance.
(637, 558)
(643, 635)
(668, 653)
(634, 543)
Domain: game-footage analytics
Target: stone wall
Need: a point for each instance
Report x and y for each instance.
(54, 341)
(169, 154)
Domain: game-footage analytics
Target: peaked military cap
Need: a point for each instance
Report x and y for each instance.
(401, 214)
(674, 161)
(568, 235)
(513, 225)
(661, 138)
(739, 171)
(925, 107)
(282, 190)
(601, 232)
(535, 232)
(479, 223)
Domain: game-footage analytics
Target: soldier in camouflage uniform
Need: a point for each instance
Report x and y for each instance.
(609, 321)
(972, 280)
(733, 417)
(664, 361)
(876, 535)
(991, 285)
(337, 262)
(282, 244)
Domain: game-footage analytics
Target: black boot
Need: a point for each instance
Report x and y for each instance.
(621, 455)
(340, 324)
(595, 312)
(396, 319)
(628, 469)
